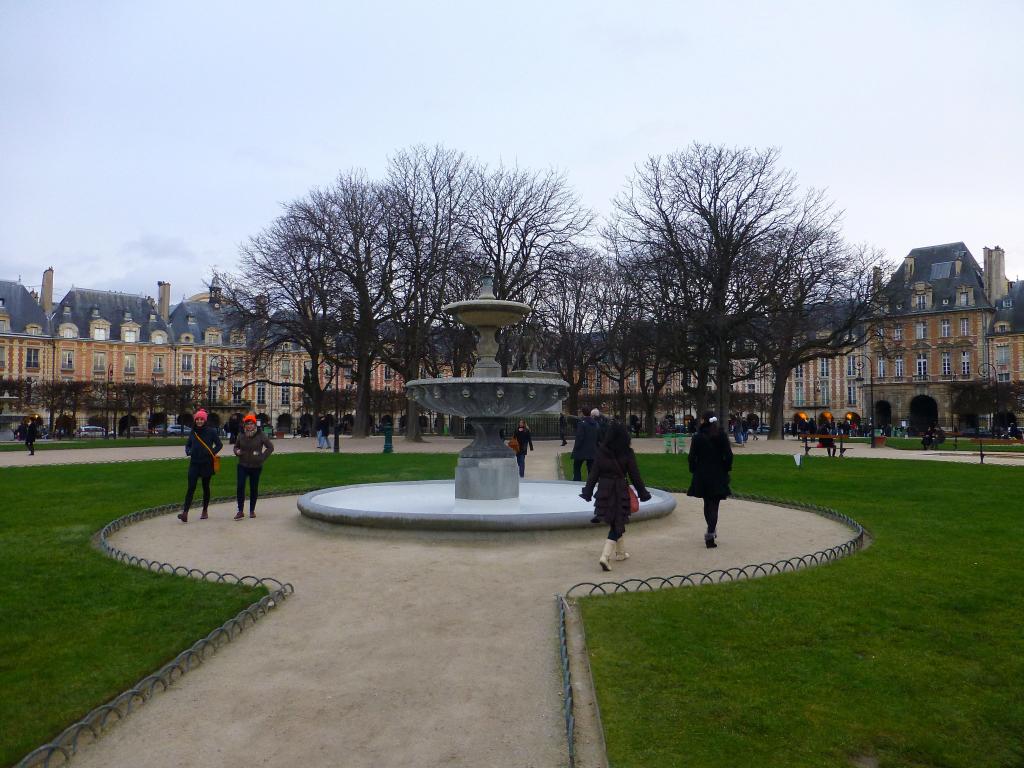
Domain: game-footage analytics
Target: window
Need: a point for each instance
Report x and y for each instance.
(632, 381)
(798, 393)
(261, 394)
(99, 334)
(919, 301)
(99, 362)
(851, 394)
(823, 367)
(286, 369)
(799, 372)
(67, 360)
(897, 333)
(68, 333)
(597, 381)
(159, 338)
(34, 330)
(965, 299)
(31, 358)
(584, 382)
(286, 395)
(947, 364)
(388, 373)
(944, 329)
(1003, 354)
(880, 366)
(824, 390)
(965, 363)
(898, 365)
(5, 327)
(236, 394)
(965, 326)
(158, 364)
(129, 364)
(1005, 376)
(186, 382)
(213, 337)
(921, 330)
(922, 364)
(187, 363)
(879, 333)
(130, 336)
(851, 365)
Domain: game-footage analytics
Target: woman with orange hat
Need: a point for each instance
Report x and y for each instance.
(252, 449)
(202, 446)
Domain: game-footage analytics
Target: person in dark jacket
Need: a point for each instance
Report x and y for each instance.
(710, 463)
(201, 446)
(522, 437)
(615, 461)
(252, 449)
(584, 448)
(562, 424)
(31, 433)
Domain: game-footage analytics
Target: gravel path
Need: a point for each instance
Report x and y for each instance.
(404, 649)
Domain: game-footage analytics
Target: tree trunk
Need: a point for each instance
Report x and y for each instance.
(778, 411)
(723, 375)
(361, 423)
(412, 422)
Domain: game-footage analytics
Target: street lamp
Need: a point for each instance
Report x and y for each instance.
(337, 396)
(110, 380)
(861, 359)
(990, 372)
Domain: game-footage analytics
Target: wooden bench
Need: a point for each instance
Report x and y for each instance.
(829, 443)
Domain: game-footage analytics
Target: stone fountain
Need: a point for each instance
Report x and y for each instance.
(487, 492)
(487, 468)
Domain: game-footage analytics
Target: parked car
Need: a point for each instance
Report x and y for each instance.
(178, 429)
(138, 432)
(90, 432)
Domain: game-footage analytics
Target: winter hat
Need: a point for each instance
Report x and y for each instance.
(249, 417)
(201, 414)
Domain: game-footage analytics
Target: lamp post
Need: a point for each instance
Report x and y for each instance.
(990, 372)
(337, 403)
(952, 422)
(110, 380)
(862, 359)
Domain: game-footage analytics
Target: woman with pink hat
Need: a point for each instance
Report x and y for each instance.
(202, 447)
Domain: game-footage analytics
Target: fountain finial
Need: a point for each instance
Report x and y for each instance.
(487, 288)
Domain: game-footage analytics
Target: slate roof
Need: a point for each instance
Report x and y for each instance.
(1014, 314)
(934, 264)
(110, 306)
(21, 307)
(204, 315)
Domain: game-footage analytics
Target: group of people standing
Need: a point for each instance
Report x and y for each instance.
(611, 466)
(252, 447)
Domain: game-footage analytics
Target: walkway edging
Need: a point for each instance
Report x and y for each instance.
(95, 723)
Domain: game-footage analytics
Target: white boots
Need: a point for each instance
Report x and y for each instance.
(620, 549)
(609, 547)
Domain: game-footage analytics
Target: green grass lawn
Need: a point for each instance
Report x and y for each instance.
(910, 652)
(79, 628)
(95, 442)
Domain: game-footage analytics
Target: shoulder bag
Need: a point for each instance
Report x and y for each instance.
(214, 456)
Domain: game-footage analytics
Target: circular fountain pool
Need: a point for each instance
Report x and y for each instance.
(431, 505)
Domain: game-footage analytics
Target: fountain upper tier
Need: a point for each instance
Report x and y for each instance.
(488, 315)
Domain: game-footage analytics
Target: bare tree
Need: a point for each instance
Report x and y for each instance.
(426, 196)
(709, 212)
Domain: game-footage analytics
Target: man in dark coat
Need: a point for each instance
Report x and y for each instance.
(710, 462)
(561, 427)
(31, 433)
(584, 448)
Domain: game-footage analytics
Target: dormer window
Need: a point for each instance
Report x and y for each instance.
(34, 330)
(191, 319)
(159, 338)
(127, 316)
(965, 299)
(920, 300)
(899, 306)
(95, 312)
(129, 335)
(945, 302)
(67, 311)
(1007, 303)
(99, 333)
(3, 302)
(152, 317)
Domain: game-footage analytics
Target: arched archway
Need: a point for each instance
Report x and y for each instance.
(883, 411)
(924, 412)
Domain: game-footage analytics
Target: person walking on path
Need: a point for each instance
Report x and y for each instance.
(614, 462)
(562, 423)
(202, 446)
(252, 449)
(31, 433)
(584, 448)
(321, 432)
(522, 437)
(710, 462)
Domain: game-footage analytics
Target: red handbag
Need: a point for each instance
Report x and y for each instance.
(634, 501)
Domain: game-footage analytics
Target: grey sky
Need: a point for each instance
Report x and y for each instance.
(143, 141)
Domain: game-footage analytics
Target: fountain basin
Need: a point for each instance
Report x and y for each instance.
(431, 505)
(488, 397)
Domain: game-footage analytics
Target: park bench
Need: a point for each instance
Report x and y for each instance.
(829, 443)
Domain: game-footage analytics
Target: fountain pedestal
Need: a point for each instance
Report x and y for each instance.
(487, 469)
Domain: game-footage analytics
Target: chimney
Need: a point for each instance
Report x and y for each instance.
(46, 300)
(164, 298)
(908, 268)
(995, 273)
(876, 280)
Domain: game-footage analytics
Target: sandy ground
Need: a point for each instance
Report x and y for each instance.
(404, 649)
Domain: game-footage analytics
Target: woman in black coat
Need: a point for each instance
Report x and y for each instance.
(710, 463)
(200, 447)
(614, 461)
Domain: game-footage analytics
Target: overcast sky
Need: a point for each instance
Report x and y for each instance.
(143, 141)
